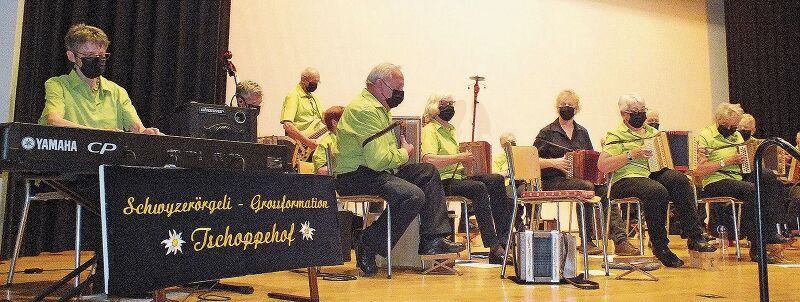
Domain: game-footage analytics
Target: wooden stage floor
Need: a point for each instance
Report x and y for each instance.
(735, 281)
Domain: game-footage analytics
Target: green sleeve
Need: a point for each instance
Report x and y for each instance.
(128, 114)
(319, 158)
(289, 110)
(612, 148)
(430, 143)
(53, 99)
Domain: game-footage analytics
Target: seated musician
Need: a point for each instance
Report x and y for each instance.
(301, 115)
(488, 193)
(369, 161)
(553, 142)
(84, 98)
(331, 119)
(623, 154)
(249, 95)
(653, 119)
(722, 175)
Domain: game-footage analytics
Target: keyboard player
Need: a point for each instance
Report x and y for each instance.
(83, 98)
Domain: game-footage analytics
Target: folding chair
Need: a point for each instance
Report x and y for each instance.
(523, 164)
(464, 204)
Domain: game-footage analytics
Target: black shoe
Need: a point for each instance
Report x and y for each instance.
(498, 259)
(667, 257)
(700, 245)
(439, 245)
(365, 259)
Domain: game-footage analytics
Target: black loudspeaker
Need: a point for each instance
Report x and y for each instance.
(216, 122)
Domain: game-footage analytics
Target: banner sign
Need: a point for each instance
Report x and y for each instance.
(164, 227)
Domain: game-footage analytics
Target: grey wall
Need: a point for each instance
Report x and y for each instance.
(8, 49)
(718, 52)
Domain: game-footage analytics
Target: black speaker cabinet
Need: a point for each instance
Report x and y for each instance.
(216, 122)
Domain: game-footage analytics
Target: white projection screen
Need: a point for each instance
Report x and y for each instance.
(528, 51)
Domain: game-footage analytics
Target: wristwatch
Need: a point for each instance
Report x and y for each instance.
(722, 163)
(630, 156)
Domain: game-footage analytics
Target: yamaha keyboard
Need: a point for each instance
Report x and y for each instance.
(42, 149)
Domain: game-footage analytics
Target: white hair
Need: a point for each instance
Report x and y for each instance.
(728, 111)
(308, 73)
(381, 71)
(628, 99)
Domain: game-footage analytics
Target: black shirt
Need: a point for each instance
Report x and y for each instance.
(555, 135)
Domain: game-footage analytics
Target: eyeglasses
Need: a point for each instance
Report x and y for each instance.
(103, 56)
(643, 110)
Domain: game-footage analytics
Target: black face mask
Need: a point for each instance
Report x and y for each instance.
(92, 67)
(725, 131)
(513, 143)
(396, 98)
(654, 125)
(637, 119)
(311, 87)
(446, 112)
(566, 113)
(746, 134)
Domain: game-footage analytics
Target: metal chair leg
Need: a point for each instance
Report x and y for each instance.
(389, 240)
(583, 243)
(736, 230)
(669, 207)
(639, 223)
(603, 237)
(77, 242)
(466, 229)
(20, 233)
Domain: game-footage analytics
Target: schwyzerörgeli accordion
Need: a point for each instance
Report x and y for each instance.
(662, 157)
(583, 165)
(481, 157)
(773, 159)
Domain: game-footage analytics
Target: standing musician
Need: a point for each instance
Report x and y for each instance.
(623, 154)
(553, 142)
(302, 114)
(722, 175)
(331, 119)
(84, 98)
(368, 161)
(488, 193)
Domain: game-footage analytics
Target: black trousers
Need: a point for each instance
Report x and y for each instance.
(773, 193)
(490, 203)
(654, 193)
(414, 189)
(793, 208)
(617, 231)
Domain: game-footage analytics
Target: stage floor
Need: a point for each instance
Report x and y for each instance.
(735, 281)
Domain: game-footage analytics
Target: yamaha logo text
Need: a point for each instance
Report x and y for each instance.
(49, 144)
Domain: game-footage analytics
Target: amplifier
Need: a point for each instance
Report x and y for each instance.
(216, 122)
(544, 257)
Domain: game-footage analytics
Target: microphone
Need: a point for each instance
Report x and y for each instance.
(229, 67)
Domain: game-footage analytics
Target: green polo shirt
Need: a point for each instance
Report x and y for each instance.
(304, 110)
(362, 118)
(621, 140)
(440, 140)
(719, 148)
(71, 98)
(319, 158)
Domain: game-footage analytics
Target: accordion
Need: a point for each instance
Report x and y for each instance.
(583, 165)
(772, 160)
(662, 156)
(412, 129)
(481, 157)
(794, 171)
(683, 146)
(544, 257)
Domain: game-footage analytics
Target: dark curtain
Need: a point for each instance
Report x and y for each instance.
(763, 40)
(164, 53)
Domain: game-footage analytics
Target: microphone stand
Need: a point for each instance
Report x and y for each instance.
(763, 278)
